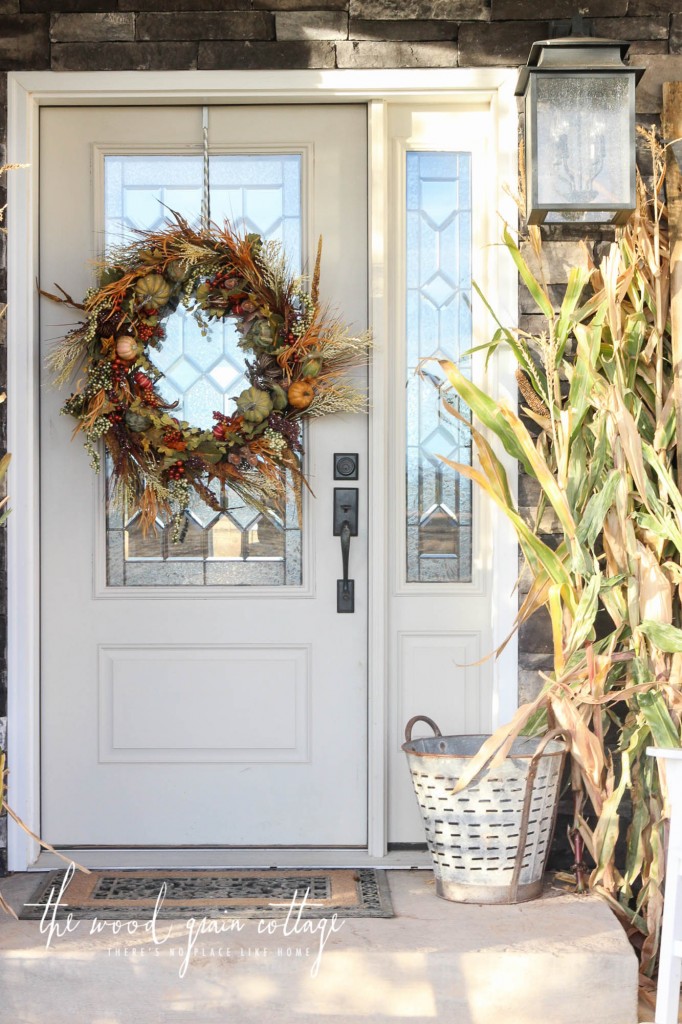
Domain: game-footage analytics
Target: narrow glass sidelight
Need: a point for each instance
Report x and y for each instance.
(438, 324)
(238, 545)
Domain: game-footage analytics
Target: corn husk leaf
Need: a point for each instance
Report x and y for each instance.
(663, 730)
(664, 636)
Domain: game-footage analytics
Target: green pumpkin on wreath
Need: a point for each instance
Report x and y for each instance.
(137, 422)
(311, 367)
(260, 335)
(254, 405)
(153, 290)
(177, 271)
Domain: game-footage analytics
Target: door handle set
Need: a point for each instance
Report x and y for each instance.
(345, 527)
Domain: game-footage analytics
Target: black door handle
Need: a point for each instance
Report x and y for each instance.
(345, 527)
(345, 553)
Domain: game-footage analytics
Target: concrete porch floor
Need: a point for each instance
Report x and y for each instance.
(556, 960)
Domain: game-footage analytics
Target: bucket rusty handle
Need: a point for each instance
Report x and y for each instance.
(420, 718)
(525, 814)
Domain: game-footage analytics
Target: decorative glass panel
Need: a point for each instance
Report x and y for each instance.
(438, 323)
(237, 545)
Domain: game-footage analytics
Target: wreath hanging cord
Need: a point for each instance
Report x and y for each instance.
(206, 177)
(299, 355)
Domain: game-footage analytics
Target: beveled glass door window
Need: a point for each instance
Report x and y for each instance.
(203, 372)
(438, 326)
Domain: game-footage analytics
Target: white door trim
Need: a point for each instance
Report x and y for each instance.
(27, 92)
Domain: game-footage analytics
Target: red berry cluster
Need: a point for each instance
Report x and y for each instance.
(118, 415)
(173, 438)
(177, 470)
(118, 370)
(145, 332)
(290, 339)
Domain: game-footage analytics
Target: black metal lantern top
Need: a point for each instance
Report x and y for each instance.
(580, 131)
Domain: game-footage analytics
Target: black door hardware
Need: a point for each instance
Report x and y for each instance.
(345, 527)
(345, 466)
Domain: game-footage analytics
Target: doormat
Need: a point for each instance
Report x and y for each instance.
(247, 893)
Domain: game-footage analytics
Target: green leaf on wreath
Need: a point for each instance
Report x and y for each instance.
(279, 398)
(110, 274)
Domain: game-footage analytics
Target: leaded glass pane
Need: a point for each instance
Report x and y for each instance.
(232, 544)
(438, 323)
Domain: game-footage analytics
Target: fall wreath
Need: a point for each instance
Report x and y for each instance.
(298, 355)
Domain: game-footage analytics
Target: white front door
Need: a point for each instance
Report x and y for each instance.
(207, 694)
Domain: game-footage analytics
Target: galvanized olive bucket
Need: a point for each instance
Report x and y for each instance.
(490, 842)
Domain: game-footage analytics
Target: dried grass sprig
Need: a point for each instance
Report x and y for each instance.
(337, 398)
(66, 357)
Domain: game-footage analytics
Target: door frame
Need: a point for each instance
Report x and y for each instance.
(27, 93)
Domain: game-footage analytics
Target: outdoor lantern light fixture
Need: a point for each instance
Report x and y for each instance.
(580, 131)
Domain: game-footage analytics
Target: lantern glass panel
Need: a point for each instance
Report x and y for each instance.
(582, 140)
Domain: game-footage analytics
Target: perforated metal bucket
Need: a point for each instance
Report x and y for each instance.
(490, 842)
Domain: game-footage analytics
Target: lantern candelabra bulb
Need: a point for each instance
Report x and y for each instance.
(578, 171)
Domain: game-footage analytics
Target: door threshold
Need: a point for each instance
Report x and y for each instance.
(205, 858)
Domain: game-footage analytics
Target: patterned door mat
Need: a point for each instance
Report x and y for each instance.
(247, 893)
